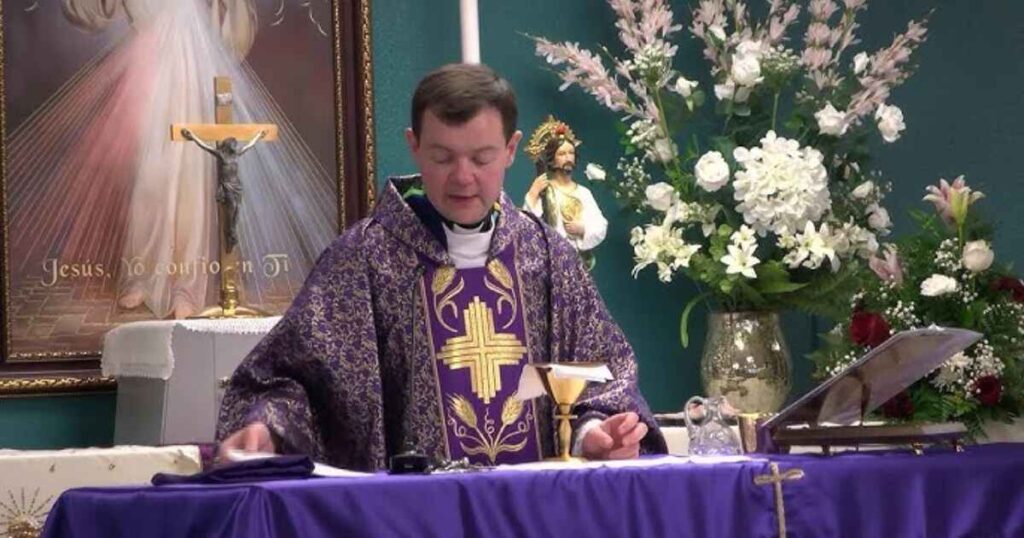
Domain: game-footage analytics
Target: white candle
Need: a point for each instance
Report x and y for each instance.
(470, 31)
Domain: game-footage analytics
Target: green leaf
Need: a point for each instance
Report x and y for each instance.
(772, 277)
(684, 320)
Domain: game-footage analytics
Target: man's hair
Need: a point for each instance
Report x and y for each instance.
(455, 93)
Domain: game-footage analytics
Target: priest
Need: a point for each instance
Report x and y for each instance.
(415, 324)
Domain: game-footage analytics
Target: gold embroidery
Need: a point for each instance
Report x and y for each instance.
(482, 350)
(571, 207)
(23, 517)
(443, 279)
(501, 274)
(486, 441)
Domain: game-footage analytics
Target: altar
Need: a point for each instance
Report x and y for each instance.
(891, 493)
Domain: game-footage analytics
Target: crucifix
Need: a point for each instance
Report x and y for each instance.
(222, 140)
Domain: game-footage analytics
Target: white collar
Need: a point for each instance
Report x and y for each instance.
(468, 247)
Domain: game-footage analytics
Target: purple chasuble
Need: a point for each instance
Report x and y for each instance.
(479, 344)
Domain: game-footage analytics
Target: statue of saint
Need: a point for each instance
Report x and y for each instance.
(564, 204)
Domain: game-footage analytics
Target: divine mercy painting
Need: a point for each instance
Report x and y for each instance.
(108, 220)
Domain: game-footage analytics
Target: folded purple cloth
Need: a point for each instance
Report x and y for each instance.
(276, 468)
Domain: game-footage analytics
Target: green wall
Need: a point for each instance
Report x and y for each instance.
(963, 110)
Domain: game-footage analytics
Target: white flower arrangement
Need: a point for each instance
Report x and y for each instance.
(778, 209)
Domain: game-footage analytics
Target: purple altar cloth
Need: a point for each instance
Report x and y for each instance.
(976, 493)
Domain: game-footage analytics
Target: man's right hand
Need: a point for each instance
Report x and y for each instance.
(253, 438)
(538, 186)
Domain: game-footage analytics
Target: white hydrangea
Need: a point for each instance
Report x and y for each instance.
(781, 186)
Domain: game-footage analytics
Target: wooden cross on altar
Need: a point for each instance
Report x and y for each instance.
(221, 140)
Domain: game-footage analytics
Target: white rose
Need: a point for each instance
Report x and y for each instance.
(684, 87)
(712, 171)
(746, 69)
(977, 256)
(890, 122)
(860, 62)
(863, 190)
(661, 196)
(831, 121)
(750, 48)
(878, 218)
(937, 285)
(664, 150)
(725, 91)
(594, 172)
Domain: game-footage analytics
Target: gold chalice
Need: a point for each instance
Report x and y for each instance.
(564, 391)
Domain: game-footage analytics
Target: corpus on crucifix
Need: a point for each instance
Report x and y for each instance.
(222, 140)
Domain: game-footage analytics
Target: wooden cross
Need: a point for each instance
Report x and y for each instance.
(213, 133)
(776, 479)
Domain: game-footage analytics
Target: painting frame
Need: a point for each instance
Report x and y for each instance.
(61, 372)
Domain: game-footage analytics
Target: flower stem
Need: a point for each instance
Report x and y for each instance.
(668, 135)
(775, 109)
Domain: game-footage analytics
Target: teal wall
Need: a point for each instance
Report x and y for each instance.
(963, 110)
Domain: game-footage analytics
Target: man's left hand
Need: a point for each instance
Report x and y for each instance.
(616, 438)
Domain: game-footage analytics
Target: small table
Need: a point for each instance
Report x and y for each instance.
(171, 375)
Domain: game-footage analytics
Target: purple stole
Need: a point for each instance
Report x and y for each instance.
(479, 344)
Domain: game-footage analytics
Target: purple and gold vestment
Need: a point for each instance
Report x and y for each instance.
(388, 342)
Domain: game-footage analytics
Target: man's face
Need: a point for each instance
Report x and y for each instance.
(463, 166)
(565, 157)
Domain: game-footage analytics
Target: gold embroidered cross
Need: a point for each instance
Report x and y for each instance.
(776, 480)
(482, 350)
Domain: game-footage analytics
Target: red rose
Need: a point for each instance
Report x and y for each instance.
(899, 406)
(868, 329)
(1012, 285)
(988, 389)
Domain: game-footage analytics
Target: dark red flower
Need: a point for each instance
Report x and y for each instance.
(560, 129)
(868, 329)
(989, 389)
(1012, 285)
(899, 406)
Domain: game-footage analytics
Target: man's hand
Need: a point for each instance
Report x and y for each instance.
(574, 229)
(539, 184)
(616, 438)
(253, 438)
